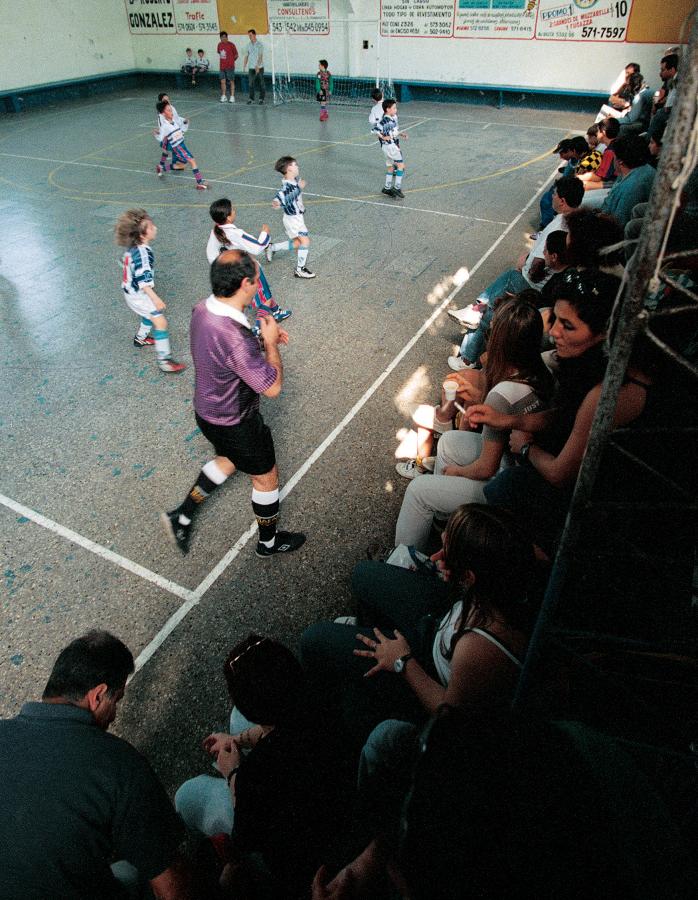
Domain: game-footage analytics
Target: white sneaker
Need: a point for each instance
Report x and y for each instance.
(457, 363)
(345, 620)
(224, 99)
(425, 417)
(268, 252)
(231, 100)
(302, 272)
(410, 469)
(472, 317)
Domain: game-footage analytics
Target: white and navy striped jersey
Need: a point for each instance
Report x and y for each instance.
(291, 198)
(202, 62)
(176, 120)
(376, 114)
(137, 270)
(388, 128)
(237, 240)
(171, 133)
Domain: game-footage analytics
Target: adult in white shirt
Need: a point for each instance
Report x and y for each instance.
(254, 63)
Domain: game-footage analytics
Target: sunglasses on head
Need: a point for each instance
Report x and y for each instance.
(249, 647)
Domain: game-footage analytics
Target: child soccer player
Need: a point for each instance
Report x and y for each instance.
(171, 135)
(376, 113)
(135, 230)
(290, 199)
(184, 124)
(324, 85)
(227, 236)
(201, 65)
(189, 63)
(389, 136)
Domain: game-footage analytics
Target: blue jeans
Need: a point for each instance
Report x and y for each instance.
(473, 345)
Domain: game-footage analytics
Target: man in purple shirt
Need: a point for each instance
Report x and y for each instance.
(231, 372)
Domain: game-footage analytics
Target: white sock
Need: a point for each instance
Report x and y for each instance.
(302, 256)
(213, 471)
(279, 246)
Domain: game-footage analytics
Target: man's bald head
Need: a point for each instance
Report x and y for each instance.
(229, 271)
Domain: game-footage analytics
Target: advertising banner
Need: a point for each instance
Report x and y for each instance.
(417, 18)
(583, 20)
(299, 16)
(496, 19)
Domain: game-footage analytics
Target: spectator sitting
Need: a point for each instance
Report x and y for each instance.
(551, 444)
(189, 64)
(598, 183)
(665, 96)
(557, 262)
(590, 234)
(279, 780)
(531, 273)
(202, 65)
(619, 104)
(428, 641)
(635, 178)
(506, 806)
(570, 152)
(628, 70)
(514, 379)
(96, 798)
(588, 158)
(593, 138)
(637, 118)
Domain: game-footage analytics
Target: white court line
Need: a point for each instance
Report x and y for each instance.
(260, 187)
(271, 137)
(148, 651)
(134, 568)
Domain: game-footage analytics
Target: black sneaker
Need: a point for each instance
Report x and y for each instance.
(179, 534)
(398, 193)
(389, 192)
(286, 542)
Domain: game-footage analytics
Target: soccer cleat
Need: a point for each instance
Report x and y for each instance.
(411, 469)
(457, 363)
(304, 272)
(201, 186)
(282, 314)
(285, 542)
(268, 252)
(224, 99)
(398, 193)
(159, 171)
(171, 367)
(389, 192)
(147, 341)
(179, 534)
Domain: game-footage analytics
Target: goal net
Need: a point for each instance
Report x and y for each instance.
(358, 57)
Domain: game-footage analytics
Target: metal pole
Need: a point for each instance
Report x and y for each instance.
(378, 54)
(288, 68)
(641, 270)
(273, 64)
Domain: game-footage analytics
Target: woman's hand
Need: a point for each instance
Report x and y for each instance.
(217, 741)
(439, 558)
(482, 414)
(383, 650)
(228, 758)
(517, 439)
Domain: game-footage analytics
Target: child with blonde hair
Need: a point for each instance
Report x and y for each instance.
(135, 230)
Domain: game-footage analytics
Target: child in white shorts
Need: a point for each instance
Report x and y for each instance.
(290, 199)
(389, 135)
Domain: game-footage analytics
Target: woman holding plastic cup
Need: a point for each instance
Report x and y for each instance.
(514, 378)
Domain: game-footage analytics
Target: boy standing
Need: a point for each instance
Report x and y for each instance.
(290, 199)
(324, 85)
(171, 135)
(228, 53)
(389, 136)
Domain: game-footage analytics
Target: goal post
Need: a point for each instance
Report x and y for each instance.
(358, 54)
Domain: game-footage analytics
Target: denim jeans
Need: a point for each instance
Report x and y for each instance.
(256, 79)
(473, 345)
(204, 802)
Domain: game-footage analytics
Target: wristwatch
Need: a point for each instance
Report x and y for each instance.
(525, 450)
(399, 664)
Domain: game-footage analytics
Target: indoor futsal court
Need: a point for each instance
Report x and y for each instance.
(97, 441)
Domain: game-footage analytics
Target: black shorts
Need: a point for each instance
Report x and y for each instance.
(249, 445)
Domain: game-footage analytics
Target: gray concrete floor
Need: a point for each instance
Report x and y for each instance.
(97, 441)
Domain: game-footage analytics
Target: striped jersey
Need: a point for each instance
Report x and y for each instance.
(376, 114)
(291, 198)
(388, 128)
(237, 240)
(171, 133)
(137, 271)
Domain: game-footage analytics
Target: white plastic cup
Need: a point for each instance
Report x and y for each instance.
(450, 389)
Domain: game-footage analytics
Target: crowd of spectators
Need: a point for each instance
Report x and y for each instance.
(383, 761)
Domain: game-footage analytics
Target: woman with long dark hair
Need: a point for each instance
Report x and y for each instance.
(424, 641)
(515, 380)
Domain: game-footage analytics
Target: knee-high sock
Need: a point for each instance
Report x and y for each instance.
(144, 328)
(389, 178)
(303, 256)
(399, 173)
(266, 508)
(279, 246)
(162, 344)
(210, 477)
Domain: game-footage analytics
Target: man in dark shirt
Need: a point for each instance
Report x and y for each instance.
(74, 798)
(232, 371)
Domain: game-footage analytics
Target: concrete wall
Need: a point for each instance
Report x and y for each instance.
(42, 41)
